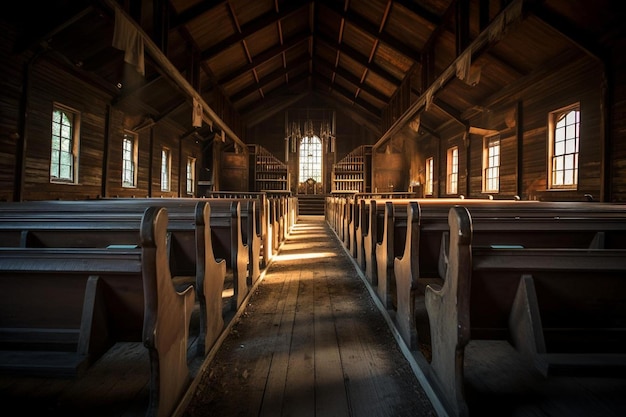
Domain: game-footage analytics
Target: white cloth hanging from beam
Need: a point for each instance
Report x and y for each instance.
(127, 38)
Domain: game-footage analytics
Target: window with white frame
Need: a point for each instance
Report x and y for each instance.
(165, 169)
(491, 164)
(311, 159)
(564, 130)
(129, 160)
(191, 175)
(64, 144)
(452, 183)
(428, 190)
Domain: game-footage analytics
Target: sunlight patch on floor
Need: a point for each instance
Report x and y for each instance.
(302, 256)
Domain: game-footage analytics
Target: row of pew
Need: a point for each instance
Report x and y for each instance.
(76, 277)
(547, 277)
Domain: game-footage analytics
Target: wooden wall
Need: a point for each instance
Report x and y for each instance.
(521, 119)
(234, 172)
(29, 93)
(31, 84)
(616, 92)
(11, 82)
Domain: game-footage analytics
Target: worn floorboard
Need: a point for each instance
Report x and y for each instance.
(311, 342)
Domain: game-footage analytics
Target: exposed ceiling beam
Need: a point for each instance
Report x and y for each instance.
(274, 75)
(508, 17)
(276, 103)
(165, 66)
(194, 11)
(358, 57)
(422, 12)
(256, 25)
(353, 79)
(294, 81)
(574, 34)
(265, 56)
(373, 30)
(349, 95)
(130, 93)
(450, 111)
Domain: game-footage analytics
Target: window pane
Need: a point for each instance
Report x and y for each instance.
(559, 148)
(63, 145)
(559, 134)
(310, 159)
(165, 170)
(565, 148)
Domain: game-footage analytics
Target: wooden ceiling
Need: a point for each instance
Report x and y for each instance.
(250, 59)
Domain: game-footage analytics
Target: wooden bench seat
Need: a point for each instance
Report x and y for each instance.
(91, 298)
(561, 307)
(252, 218)
(420, 227)
(101, 223)
(352, 216)
(228, 244)
(262, 226)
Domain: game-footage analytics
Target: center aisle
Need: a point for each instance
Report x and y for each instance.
(311, 342)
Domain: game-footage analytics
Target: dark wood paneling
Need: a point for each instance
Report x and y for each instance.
(578, 81)
(11, 83)
(51, 84)
(234, 172)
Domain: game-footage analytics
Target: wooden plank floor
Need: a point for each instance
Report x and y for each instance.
(310, 342)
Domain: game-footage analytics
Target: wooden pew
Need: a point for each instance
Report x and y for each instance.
(262, 220)
(498, 222)
(360, 231)
(277, 221)
(561, 307)
(225, 229)
(100, 223)
(385, 251)
(228, 244)
(356, 218)
(90, 298)
(362, 220)
(378, 241)
(371, 237)
(251, 221)
(343, 213)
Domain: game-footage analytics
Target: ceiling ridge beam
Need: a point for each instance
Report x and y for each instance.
(263, 57)
(372, 29)
(254, 26)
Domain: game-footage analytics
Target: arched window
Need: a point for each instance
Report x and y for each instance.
(564, 137)
(310, 159)
(64, 145)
